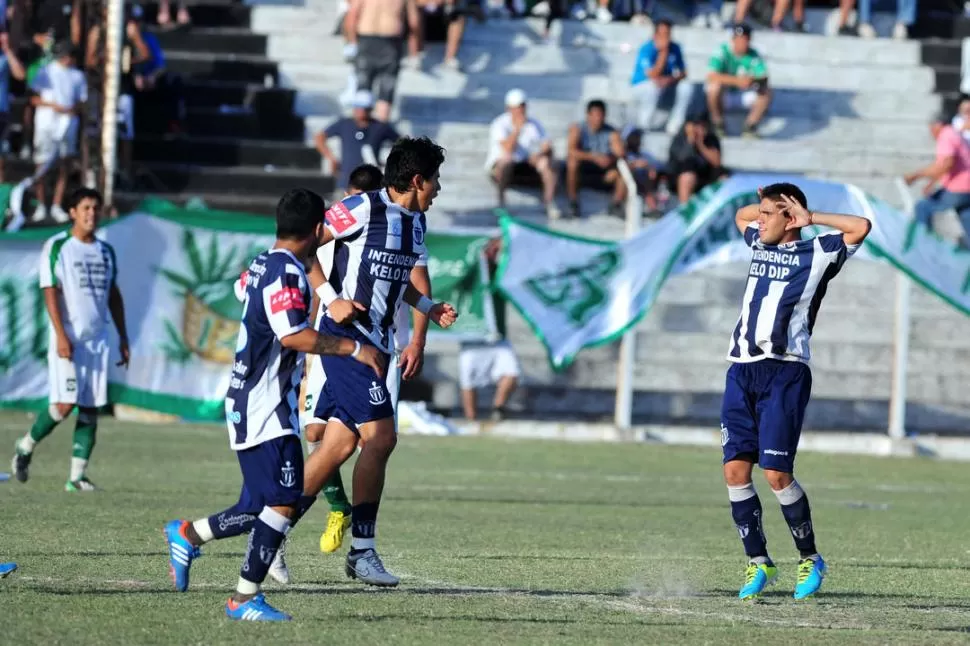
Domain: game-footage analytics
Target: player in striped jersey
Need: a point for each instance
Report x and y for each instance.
(261, 408)
(769, 382)
(379, 242)
(79, 277)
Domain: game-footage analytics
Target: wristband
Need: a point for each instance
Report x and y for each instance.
(327, 294)
(424, 305)
(356, 349)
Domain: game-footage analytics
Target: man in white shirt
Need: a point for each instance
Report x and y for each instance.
(59, 93)
(518, 145)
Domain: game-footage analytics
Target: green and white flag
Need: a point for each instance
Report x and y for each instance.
(176, 272)
(578, 293)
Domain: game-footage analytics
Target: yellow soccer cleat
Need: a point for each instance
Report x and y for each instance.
(333, 537)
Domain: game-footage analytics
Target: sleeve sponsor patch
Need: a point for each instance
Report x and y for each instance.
(287, 298)
(340, 218)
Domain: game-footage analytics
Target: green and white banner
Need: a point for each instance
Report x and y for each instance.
(176, 270)
(578, 293)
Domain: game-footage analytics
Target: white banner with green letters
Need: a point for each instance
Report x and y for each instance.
(578, 293)
(176, 270)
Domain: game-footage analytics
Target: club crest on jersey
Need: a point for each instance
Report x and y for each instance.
(288, 475)
(418, 233)
(377, 396)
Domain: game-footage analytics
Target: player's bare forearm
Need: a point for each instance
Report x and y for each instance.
(116, 305)
(54, 310)
(310, 341)
(854, 228)
(746, 215)
(421, 281)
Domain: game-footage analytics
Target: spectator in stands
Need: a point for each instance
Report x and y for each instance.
(361, 139)
(738, 75)
(378, 28)
(777, 15)
(905, 17)
(660, 73)
(491, 363)
(645, 169)
(519, 147)
(948, 177)
(165, 13)
(56, 21)
(694, 160)
(59, 92)
(10, 67)
(446, 22)
(592, 150)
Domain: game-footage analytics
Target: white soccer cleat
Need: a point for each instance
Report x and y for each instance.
(277, 569)
(366, 567)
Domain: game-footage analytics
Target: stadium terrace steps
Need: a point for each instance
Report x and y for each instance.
(853, 110)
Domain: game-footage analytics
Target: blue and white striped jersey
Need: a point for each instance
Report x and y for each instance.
(786, 284)
(376, 244)
(262, 400)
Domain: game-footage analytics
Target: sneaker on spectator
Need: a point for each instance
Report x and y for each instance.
(867, 31)
(900, 31)
(552, 211)
(59, 214)
(452, 64)
(604, 15)
(541, 9)
(642, 20)
(847, 30)
(40, 214)
(579, 13)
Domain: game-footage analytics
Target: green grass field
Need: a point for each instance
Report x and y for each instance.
(496, 541)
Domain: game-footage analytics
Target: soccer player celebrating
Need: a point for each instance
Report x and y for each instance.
(769, 383)
(261, 407)
(379, 243)
(79, 277)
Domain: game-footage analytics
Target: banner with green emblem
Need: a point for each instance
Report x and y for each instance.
(579, 292)
(176, 273)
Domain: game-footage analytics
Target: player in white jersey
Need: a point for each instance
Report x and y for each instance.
(261, 408)
(79, 276)
(769, 382)
(379, 242)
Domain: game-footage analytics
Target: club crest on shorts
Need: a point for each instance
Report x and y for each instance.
(377, 396)
(288, 475)
(725, 436)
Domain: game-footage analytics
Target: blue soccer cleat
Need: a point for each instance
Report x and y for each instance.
(757, 577)
(181, 553)
(6, 569)
(256, 609)
(811, 572)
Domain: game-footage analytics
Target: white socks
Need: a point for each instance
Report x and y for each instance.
(203, 529)
(77, 468)
(790, 494)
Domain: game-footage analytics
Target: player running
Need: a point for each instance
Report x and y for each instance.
(379, 241)
(408, 355)
(769, 383)
(79, 277)
(261, 407)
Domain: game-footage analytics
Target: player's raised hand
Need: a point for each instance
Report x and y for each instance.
(798, 215)
(125, 353)
(344, 311)
(411, 361)
(371, 356)
(443, 314)
(64, 349)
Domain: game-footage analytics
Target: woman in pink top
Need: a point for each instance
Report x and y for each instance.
(951, 169)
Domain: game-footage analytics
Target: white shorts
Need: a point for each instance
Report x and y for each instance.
(484, 365)
(48, 145)
(739, 100)
(317, 377)
(82, 380)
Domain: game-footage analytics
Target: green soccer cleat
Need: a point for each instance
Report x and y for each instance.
(81, 484)
(757, 577)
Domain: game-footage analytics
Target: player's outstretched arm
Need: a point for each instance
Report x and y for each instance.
(116, 305)
(854, 228)
(310, 341)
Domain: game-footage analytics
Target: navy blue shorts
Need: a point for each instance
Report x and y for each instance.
(354, 394)
(272, 474)
(763, 410)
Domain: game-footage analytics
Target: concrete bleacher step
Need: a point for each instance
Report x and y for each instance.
(227, 151)
(243, 180)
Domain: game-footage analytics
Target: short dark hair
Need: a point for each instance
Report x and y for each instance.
(83, 194)
(663, 22)
(775, 191)
(412, 156)
(298, 213)
(595, 103)
(366, 177)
